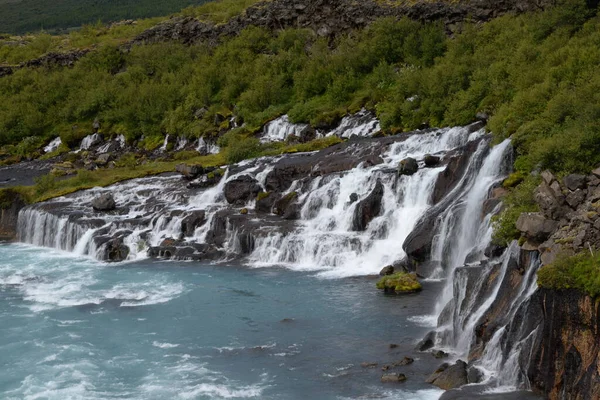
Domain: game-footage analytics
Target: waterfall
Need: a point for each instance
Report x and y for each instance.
(362, 124)
(53, 145)
(163, 148)
(90, 141)
(279, 129)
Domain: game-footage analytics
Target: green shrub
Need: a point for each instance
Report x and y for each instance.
(581, 272)
(242, 149)
(45, 183)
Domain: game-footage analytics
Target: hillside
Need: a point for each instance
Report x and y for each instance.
(21, 16)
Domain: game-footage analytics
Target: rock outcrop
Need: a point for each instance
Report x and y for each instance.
(367, 209)
(104, 202)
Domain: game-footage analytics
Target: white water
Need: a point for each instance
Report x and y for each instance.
(279, 129)
(163, 148)
(53, 145)
(89, 141)
(208, 148)
(362, 124)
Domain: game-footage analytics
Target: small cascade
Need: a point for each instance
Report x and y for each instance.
(361, 124)
(53, 145)
(90, 141)
(163, 148)
(181, 143)
(204, 147)
(279, 129)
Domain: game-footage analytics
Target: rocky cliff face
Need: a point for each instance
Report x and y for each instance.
(565, 364)
(10, 204)
(331, 17)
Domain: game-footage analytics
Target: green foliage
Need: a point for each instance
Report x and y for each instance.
(400, 282)
(242, 149)
(581, 272)
(518, 200)
(219, 11)
(45, 183)
(128, 161)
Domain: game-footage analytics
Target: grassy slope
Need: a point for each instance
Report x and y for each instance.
(20, 16)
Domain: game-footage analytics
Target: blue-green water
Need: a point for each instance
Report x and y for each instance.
(72, 328)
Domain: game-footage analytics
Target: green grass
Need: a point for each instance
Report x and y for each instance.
(219, 11)
(400, 282)
(581, 272)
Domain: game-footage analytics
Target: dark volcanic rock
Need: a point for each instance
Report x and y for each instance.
(264, 202)
(535, 226)
(427, 343)
(431, 161)
(575, 181)
(104, 202)
(189, 171)
(449, 377)
(240, 190)
(408, 166)
(192, 221)
(393, 378)
(115, 250)
(389, 270)
(368, 208)
(281, 205)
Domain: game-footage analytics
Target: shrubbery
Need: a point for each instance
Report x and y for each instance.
(580, 272)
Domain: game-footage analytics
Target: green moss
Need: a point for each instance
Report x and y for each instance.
(262, 196)
(400, 282)
(581, 272)
(513, 180)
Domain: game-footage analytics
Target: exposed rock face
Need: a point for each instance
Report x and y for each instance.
(10, 204)
(189, 171)
(193, 221)
(240, 190)
(369, 208)
(431, 161)
(566, 363)
(535, 226)
(330, 17)
(115, 250)
(104, 202)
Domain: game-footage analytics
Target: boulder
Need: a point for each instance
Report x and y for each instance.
(439, 354)
(427, 343)
(192, 221)
(393, 378)
(408, 166)
(103, 159)
(264, 202)
(550, 200)
(353, 198)
(535, 226)
(189, 171)
(404, 361)
(115, 250)
(281, 205)
(241, 189)
(431, 161)
(389, 270)
(449, 377)
(292, 212)
(104, 202)
(369, 208)
(575, 181)
(576, 198)
(400, 282)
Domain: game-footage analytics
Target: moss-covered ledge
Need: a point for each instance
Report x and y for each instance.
(400, 282)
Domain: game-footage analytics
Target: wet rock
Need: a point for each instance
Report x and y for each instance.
(241, 189)
(449, 377)
(389, 270)
(440, 354)
(404, 361)
(427, 343)
(115, 250)
(535, 226)
(369, 208)
(244, 211)
(191, 222)
(104, 202)
(292, 212)
(246, 242)
(493, 250)
(207, 180)
(474, 375)
(393, 378)
(353, 198)
(408, 166)
(393, 345)
(368, 364)
(281, 205)
(575, 181)
(264, 202)
(431, 161)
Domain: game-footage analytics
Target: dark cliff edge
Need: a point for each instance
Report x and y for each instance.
(329, 18)
(565, 362)
(11, 202)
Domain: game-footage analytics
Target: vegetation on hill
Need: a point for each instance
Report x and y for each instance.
(21, 16)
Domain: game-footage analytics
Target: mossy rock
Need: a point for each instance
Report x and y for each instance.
(513, 180)
(262, 196)
(400, 282)
(244, 211)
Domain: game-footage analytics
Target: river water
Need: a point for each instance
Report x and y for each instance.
(74, 328)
